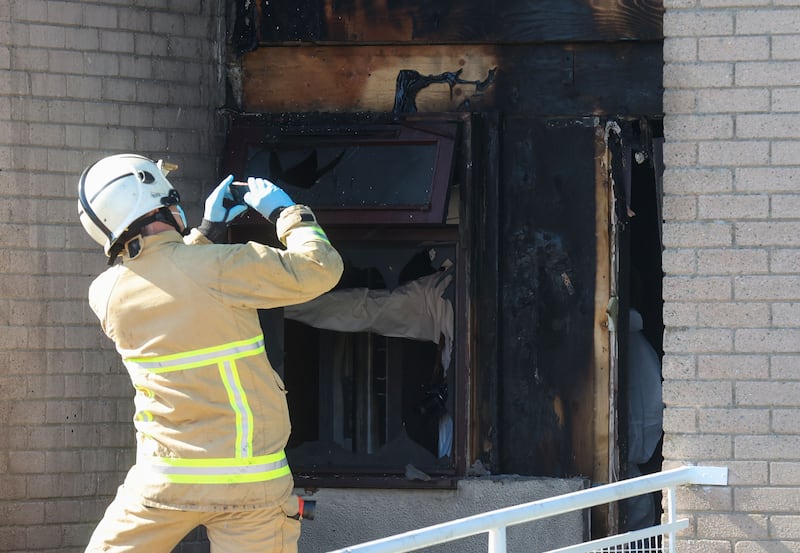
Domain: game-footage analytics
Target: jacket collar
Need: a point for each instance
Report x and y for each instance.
(139, 244)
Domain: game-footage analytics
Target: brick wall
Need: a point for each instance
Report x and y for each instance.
(81, 80)
(85, 79)
(732, 263)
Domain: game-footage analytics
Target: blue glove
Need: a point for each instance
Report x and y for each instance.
(217, 209)
(266, 198)
(220, 210)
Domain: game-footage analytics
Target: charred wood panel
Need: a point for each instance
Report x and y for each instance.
(547, 264)
(484, 222)
(600, 79)
(360, 78)
(449, 21)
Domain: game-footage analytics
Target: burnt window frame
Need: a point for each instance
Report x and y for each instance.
(387, 224)
(443, 133)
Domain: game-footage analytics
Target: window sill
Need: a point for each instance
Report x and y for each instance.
(307, 481)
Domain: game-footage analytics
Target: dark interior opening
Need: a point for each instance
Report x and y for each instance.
(367, 402)
(643, 282)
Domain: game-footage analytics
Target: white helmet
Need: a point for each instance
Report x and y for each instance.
(118, 190)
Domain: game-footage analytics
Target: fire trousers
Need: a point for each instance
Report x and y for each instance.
(130, 527)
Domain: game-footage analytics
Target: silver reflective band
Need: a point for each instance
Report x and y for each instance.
(197, 358)
(219, 470)
(238, 400)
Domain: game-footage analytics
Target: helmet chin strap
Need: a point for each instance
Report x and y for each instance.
(129, 239)
(166, 216)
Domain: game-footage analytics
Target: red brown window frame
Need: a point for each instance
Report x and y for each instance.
(454, 132)
(442, 134)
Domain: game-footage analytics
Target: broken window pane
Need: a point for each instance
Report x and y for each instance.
(367, 369)
(370, 174)
(345, 176)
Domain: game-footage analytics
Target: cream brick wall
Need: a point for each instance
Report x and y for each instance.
(80, 80)
(732, 263)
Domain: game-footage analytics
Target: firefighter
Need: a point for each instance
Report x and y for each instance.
(211, 417)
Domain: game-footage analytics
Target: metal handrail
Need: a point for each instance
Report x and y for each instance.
(496, 522)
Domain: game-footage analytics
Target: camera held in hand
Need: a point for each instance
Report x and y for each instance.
(238, 190)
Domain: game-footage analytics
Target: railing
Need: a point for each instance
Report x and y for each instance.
(495, 523)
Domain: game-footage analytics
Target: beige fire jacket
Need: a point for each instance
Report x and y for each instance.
(211, 415)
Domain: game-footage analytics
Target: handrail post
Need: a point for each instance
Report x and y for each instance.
(672, 515)
(497, 540)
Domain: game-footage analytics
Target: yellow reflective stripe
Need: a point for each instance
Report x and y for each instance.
(199, 357)
(219, 471)
(145, 391)
(302, 234)
(144, 416)
(230, 478)
(224, 356)
(241, 408)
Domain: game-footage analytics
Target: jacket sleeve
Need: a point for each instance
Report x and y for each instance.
(257, 275)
